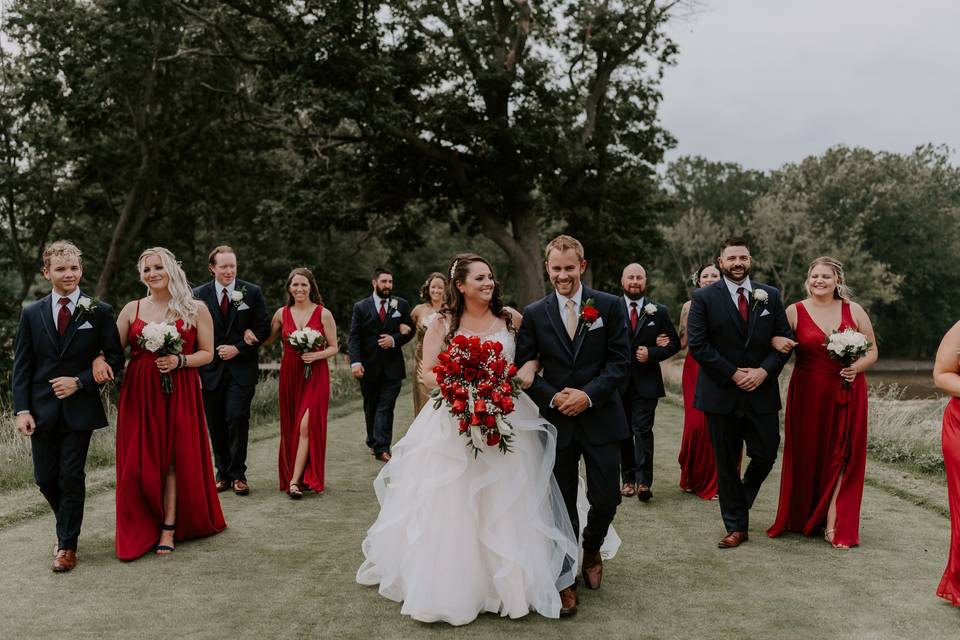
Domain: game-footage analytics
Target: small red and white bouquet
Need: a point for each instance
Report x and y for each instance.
(304, 341)
(477, 384)
(847, 347)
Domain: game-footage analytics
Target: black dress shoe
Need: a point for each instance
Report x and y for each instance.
(644, 493)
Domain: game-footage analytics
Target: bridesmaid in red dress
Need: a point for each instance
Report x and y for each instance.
(165, 484)
(698, 467)
(946, 375)
(825, 432)
(303, 402)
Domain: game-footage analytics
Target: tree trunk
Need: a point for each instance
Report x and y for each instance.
(522, 247)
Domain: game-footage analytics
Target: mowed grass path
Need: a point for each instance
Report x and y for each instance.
(285, 569)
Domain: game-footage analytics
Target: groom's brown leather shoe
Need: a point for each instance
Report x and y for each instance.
(222, 485)
(592, 569)
(65, 561)
(241, 488)
(734, 539)
(568, 602)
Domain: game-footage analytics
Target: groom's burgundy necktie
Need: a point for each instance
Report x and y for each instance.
(634, 316)
(383, 311)
(224, 303)
(63, 316)
(742, 304)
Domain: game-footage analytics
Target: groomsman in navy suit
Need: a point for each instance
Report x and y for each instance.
(730, 328)
(230, 380)
(648, 325)
(376, 358)
(55, 398)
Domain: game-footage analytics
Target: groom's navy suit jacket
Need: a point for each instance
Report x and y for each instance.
(721, 343)
(40, 354)
(365, 330)
(596, 362)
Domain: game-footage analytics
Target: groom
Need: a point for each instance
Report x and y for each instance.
(730, 327)
(580, 338)
(56, 401)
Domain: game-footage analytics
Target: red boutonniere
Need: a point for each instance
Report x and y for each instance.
(588, 314)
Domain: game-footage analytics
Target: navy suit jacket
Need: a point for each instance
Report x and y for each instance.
(250, 313)
(40, 354)
(365, 330)
(596, 362)
(646, 379)
(721, 343)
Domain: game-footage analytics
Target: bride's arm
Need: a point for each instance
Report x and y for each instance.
(530, 368)
(432, 346)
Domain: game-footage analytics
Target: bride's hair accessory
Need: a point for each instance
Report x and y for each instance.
(453, 267)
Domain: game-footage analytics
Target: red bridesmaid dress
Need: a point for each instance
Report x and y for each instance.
(297, 396)
(154, 431)
(825, 433)
(698, 466)
(950, 583)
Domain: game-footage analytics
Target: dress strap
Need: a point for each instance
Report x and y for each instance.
(847, 316)
(137, 316)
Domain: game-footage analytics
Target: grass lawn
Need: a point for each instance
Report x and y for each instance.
(285, 569)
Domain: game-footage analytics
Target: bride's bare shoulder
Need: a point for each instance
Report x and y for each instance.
(515, 316)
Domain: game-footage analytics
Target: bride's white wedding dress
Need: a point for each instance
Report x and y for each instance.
(458, 536)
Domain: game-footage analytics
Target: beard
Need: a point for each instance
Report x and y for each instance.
(633, 294)
(740, 276)
(384, 292)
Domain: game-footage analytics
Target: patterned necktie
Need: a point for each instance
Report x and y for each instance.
(634, 316)
(63, 316)
(224, 303)
(571, 320)
(742, 304)
(383, 311)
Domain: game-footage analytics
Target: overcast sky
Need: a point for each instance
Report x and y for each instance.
(765, 82)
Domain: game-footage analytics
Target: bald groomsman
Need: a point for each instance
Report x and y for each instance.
(646, 322)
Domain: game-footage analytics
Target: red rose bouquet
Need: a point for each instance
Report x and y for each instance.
(477, 384)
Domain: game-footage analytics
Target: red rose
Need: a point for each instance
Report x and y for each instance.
(497, 348)
(507, 405)
(474, 420)
(464, 426)
(461, 392)
(506, 388)
(469, 374)
(459, 406)
(589, 314)
(512, 371)
(444, 356)
(480, 406)
(493, 439)
(489, 421)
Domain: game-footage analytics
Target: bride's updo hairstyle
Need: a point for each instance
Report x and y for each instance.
(454, 303)
(182, 305)
(842, 292)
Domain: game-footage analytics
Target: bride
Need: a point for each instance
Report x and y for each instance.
(459, 535)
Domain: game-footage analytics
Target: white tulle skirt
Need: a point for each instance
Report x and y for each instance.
(458, 536)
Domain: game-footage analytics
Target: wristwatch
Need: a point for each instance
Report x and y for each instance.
(79, 382)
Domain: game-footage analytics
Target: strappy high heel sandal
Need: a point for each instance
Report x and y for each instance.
(294, 491)
(828, 536)
(164, 549)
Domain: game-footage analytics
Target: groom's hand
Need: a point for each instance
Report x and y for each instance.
(26, 424)
(574, 403)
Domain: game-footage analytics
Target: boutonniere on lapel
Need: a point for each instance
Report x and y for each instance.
(650, 309)
(237, 297)
(588, 314)
(393, 304)
(86, 305)
(759, 297)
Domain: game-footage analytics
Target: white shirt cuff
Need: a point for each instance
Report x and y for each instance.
(22, 412)
(356, 364)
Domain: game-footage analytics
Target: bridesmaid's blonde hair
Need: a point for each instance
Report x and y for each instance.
(842, 292)
(182, 305)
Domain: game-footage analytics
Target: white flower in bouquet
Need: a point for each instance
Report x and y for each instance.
(162, 339)
(650, 309)
(847, 346)
(304, 341)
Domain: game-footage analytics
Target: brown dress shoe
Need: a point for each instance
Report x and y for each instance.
(592, 569)
(734, 539)
(643, 492)
(65, 561)
(629, 490)
(568, 602)
(383, 457)
(222, 485)
(240, 487)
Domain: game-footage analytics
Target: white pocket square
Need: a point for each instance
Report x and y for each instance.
(396, 314)
(765, 313)
(596, 325)
(243, 306)
(85, 325)
(650, 324)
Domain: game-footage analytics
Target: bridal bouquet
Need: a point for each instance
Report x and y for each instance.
(304, 341)
(847, 347)
(478, 386)
(162, 339)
